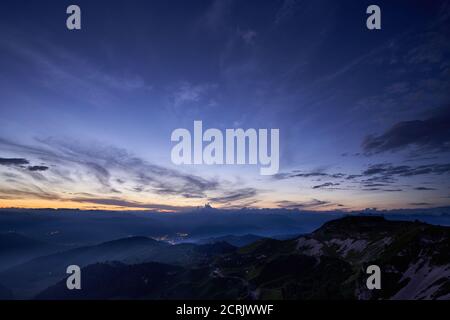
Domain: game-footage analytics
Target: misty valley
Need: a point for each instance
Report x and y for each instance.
(224, 254)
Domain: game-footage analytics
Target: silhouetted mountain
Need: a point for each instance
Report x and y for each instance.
(33, 276)
(329, 263)
(413, 256)
(212, 249)
(16, 248)
(237, 241)
(117, 280)
(82, 228)
(147, 281)
(77, 228)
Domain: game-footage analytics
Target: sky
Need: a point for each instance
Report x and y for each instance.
(86, 115)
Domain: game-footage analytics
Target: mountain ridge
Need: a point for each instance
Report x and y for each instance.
(329, 263)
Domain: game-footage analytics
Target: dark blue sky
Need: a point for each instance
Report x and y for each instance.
(364, 116)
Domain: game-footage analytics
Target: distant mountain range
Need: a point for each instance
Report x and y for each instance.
(80, 228)
(237, 241)
(328, 263)
(75, 228)
(16, 248)
(35, 275)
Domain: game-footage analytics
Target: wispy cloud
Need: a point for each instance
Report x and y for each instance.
(389, 170)
(311, 174)
(38, 168)
(21, 163)
(306, 205)
(235, 195)
(64, 72)
(106, 170)
(432, 135)
(13, 161)
(325, 185)
(189, 93)
(129, 204)
(420, 204)
(424, 189)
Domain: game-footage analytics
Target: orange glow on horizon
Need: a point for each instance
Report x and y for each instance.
(67, 204)
(172, 206)
(51, 204)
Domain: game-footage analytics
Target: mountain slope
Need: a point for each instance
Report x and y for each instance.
(237, 241)
(33, 276)
(146, 281)
(16, 248)
(329, 263)
(413, 256)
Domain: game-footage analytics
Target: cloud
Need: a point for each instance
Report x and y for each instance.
(420, 204)
(377, 176)
(236, 195)
(387, 170)
(309, 175)
(432, 134)
(13, 161)
(30, 191)
(187, 93)
(129, 204)
(381, 177)
(374, 185)
(384, 168)
(67, 73)
(313, 174)
(98, 168)
(325, 185)
(312, 204)
(385, 190)
(101, 160)
(37, 168)
(21, 162)
(424, 189)
(353, 176)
